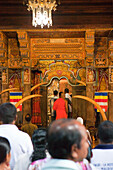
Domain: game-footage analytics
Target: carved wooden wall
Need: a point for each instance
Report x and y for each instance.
(89, 59)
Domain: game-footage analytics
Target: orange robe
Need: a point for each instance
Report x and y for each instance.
(60, 107)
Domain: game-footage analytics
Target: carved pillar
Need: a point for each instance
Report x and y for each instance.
(24, 44)
(79, 105)
(89, 48)
(43, 92)
(110, 101)
(4, 65)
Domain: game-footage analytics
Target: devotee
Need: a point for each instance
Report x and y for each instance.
(40, 154)
(103, 153)
(28, 127)
(5, 154)
(69, 100)
(52, 100)
(67, 145)
(38, 157)
(20, 141)
(60, 106)
(89, 155)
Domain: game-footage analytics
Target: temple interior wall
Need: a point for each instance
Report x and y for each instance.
(27, 61)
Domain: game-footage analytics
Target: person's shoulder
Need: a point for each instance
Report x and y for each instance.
(23, 134)
(34, 126)
(23, 126)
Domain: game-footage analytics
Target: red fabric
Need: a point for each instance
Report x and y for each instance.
(59, 106)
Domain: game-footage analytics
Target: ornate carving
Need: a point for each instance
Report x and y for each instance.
(3, 63)
(111, 74)
(57, 49)
(89, 61)
(101, 62)
(14, 63)
(111, 61)
(89, 48)
(90, 75)
(101, 44)
(75, 63)
(13, 49)
(22, 35)
(27, 76)
(24, 44)
(111, 44)
(5, 76)
(25, 62)
(3, 45)
(60, 56)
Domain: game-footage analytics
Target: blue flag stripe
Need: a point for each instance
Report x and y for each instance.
(16, 94)
(101, 94)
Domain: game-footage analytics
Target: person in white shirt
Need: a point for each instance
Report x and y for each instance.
(20, 141)
(69, 99)
(103, 153)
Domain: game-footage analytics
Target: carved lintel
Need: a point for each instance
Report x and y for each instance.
(89, 61)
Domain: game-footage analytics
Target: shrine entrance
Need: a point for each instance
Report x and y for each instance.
(59, 85)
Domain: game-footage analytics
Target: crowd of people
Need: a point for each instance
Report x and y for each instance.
(65, 144)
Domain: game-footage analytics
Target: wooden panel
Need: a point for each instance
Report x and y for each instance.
(69, 14)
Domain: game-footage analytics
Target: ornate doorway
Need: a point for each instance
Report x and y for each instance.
(58, 85)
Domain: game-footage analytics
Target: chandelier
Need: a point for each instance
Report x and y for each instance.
(41, 11)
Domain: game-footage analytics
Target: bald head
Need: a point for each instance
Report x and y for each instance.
(62, 135)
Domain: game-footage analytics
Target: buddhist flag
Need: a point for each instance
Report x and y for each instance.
(102, 99)
(14, 98)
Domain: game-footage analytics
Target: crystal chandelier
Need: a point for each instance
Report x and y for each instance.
(42, 11)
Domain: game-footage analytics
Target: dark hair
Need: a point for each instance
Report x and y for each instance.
(60, 138)
(60, 94)
(55, 92)
(105, 132)
(28, 117)
(4, 149)
(7, 113)
(39, 144)
(66, 90)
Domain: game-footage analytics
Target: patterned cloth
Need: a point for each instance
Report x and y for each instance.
(37, 165)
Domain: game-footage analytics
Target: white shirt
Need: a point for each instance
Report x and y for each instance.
(69, 97)
(20, 141)
(103, 157)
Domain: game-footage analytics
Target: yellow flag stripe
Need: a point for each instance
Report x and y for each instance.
(15, 97)
(101, 97)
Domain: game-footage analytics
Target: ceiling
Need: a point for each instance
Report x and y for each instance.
(70, 14)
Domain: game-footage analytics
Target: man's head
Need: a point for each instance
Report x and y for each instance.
(28, 117)
(105, 132)
(67, 139)
(55, 92)
(66, 90)
(7, 113)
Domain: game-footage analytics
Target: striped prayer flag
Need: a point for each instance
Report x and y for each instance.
(14, 98)
(102, 99)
